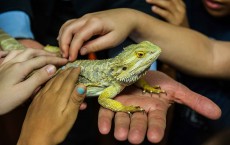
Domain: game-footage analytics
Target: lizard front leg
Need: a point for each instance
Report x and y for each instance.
(105, 100)
(141, 83)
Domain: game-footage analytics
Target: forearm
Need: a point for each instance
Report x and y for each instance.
(29, 43)
(187, 50)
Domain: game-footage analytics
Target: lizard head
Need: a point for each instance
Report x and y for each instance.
(134, 61)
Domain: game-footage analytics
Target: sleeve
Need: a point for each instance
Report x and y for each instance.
(19, 5)
(16, 23)
(15, 18)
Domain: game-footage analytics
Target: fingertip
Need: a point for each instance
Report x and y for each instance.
(213, 111)
(155, 136)
(80, 90)
(73, 56)
(64, 50)
(83, 51)
(105, 117)
(104, 126)
(83, 106)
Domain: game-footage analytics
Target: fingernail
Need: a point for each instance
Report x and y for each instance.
(51, 69)
(80, 90)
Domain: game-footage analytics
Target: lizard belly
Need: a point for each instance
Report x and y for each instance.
(94, 91)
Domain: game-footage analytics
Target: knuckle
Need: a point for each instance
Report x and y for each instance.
(93, 20)
(77, 99)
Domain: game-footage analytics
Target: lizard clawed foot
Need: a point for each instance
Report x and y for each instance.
(154, 90)
(132, 109)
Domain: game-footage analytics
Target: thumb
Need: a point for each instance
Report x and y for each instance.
(77, 97)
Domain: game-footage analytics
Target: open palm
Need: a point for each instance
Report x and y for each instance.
(153, 122)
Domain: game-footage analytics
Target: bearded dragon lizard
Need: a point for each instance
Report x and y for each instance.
(107, 78)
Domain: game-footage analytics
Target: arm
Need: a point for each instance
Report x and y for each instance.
(183, 48)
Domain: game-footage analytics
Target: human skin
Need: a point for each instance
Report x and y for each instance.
(54, 110)
(217, 8)
(152, 123)
(208, 55)
(172, 11)
(15, 68)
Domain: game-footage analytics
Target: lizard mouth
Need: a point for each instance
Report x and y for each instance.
(133, 77)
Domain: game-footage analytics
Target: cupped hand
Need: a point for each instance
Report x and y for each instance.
(15, 84)
(54, 110)
(152, 123)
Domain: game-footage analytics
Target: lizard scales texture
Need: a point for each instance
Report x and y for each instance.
(107, 78)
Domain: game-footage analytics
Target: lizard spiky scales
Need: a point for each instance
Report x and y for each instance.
(107, 78)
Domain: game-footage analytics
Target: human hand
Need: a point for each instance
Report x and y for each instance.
(53, 110)
(108, 28)
(15, 84)
(173, 11)
(153, 122)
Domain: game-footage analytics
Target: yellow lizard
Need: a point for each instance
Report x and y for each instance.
(107, 78)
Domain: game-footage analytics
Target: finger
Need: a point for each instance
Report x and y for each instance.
(63, 27)
(66, 35)
(53, 80)
(122, 122)
(29, 66)
(31, 53)
(83, 106)
(167, 5)
(77, 97)
(198, 103)
(100, 43)
(138, 128)
(180, 5)
(68, 84)
(37, 79)
(163, 13)
(59, 80)
(12, 54)
(90, 29)
(156, 125)
(105, 118)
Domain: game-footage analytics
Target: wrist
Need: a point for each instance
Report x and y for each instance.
(137, 25)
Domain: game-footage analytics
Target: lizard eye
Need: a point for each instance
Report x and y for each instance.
(140, 54)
